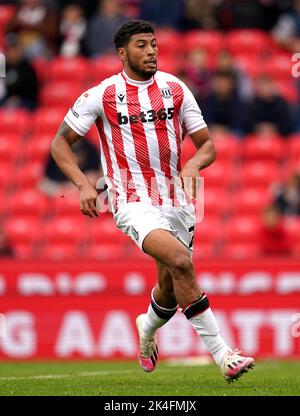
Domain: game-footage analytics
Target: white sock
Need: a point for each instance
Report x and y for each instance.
(156, 317)
(207, 327)
(216, 346)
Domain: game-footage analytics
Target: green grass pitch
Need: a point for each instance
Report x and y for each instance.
(107, 378)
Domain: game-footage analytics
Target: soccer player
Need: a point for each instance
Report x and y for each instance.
(142, 115)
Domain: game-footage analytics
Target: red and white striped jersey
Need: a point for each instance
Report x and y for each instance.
(141, 126)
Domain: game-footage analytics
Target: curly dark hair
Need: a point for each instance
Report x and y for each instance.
(132, 27)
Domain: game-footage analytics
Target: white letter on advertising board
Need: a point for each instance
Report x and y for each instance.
(117, 335)
(20, 337)
(280, 320)
(75, 335)
(248, 322)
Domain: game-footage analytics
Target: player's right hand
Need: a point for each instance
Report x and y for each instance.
(88, 199)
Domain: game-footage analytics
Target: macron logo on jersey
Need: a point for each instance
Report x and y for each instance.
(121, 96)
(147, 116)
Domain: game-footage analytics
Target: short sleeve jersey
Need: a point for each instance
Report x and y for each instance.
(141, 127)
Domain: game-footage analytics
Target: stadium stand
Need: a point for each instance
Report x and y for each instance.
(28, 175)
(7, 12)
(47, 121)
(28, 202)
(59, 94)
(237, 186)
(71, 69)
(208, 40)
(259, 174)
(267, 147)
(254, 42)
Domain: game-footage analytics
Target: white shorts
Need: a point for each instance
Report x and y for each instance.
(138, 219)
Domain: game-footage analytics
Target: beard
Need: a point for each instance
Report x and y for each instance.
(144, 74)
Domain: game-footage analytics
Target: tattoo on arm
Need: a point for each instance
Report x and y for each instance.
(65, 131)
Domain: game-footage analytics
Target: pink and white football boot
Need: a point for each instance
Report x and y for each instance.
(235, 365)
(148, 351)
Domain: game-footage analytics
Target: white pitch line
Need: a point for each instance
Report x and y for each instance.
(84, 374)
(58, 376)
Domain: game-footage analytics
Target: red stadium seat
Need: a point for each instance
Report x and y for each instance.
(28, 202)
(279, 67)
(2, 40)
(10, 147)
(23, 230)
(169, 42)
(249, 65)
(204, 251)
(219, 174)
(288, 90)
(251, 201)
(7, 177)
(171, 66)
(29, 175)
(294, 148)
(227, 146)
(210, 230)
(60, 94)
(241, 251)
(242, 229)
(24, 251)
(104, 230)
(292, 226)
(251, 41)
(211, 41)
(105, 251)
(69, 69)
(65, 230)
(104, 67)
(263, 148)
(60, 252)
(41, 67)
(3, 202)
(47, 121)
(67, 203)
(7, 12)
(260, 173)
(134, 253)
(216, 201)
(14, 121)
(296, 250)
(37, 148)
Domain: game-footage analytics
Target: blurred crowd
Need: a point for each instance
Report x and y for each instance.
(46, 29)
(234, 94)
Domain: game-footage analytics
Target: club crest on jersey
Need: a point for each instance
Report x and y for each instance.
(165, 92)
(121, 96)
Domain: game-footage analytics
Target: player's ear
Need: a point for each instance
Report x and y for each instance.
(122, 54)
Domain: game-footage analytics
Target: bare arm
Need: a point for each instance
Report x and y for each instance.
(65, 159)
(206, 153)
(205, 156)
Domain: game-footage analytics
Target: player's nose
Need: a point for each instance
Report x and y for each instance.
(151, 51)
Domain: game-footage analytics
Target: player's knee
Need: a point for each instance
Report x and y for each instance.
(182, 266)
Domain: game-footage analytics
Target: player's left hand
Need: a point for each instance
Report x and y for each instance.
(88, 200)
(190, 179)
